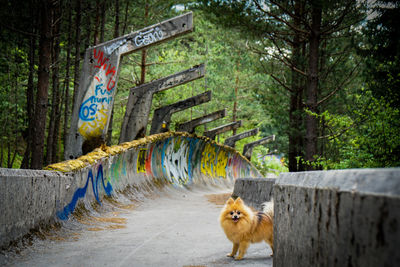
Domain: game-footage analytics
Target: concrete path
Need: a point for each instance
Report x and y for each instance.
(177, 228)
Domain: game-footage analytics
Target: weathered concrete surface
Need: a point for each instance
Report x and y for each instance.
(176, 228)
(254, 191)
(99, 78)
(248, 148)
(190, 126)
(140, 99)
(222, 129)
(29, 199)
(164, 160)
(233, 139)
(337, 218)
(163, 115)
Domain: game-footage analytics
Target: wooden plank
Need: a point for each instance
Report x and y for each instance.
(140, 99)
(222, 129)
(98, 83)
(190, 126)
(163, 115)
(233, 139)
(248, 148)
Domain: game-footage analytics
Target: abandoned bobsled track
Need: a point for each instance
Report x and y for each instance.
(149, 202)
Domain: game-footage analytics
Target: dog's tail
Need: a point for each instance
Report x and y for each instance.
(268, 208)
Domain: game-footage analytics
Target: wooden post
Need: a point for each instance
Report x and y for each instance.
(162, 116)
(98, 82)
(233, 139)
(140, 99)
(248, 148)
(222, 129)
(190, 126)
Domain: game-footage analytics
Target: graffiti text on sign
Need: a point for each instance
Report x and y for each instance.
(102, 63)
(94, 128)
(81, 192)
(148, 37)
(89, 107)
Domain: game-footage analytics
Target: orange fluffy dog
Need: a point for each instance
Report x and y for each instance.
(243, 226)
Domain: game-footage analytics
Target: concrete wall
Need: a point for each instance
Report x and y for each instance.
(337, 218)
(29, 199)
(254, 191)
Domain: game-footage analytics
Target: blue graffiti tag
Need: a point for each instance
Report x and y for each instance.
(81, 192)
(88, 109)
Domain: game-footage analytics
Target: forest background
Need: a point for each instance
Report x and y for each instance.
(323, 76)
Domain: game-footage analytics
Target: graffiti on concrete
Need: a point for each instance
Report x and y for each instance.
(176, 159)
(98, 184)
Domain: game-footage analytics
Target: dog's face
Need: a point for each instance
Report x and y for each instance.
(235, 215)
(234, 210)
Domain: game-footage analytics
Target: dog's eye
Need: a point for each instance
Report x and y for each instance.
(231, 212)
(238, 212)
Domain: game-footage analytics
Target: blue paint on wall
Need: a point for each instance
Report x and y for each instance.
(81, 192)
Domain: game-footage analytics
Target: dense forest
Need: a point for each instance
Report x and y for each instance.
(323, 76)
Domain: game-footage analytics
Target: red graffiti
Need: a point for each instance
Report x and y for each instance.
(102, 63)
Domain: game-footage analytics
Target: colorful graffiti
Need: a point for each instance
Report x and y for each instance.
(141, 161)
(81, 192)
(98, 100)
(214, 161)
(175, 159)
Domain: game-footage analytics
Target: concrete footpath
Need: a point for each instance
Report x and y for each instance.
(177, 228)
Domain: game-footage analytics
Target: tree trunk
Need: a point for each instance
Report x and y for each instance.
(116, 34)
(56, 85)
(30, 101)
(52, 135)
(67, 78)
(234, 112)
(125, 18)
(77, 50)
(103, 20)
(88, 24)
(43, 84)
(295, 119)
(312, 87)
(96, 26)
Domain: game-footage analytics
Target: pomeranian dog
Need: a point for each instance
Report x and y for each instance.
(243, 226)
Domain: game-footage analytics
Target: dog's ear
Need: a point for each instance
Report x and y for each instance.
(230, 201)
(239, 201)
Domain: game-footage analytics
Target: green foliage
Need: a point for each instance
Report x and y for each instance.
(367, 137)
(268, 165)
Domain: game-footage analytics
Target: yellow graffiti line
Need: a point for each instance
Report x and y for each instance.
(141, 161)
(222, 161)
(208, 159)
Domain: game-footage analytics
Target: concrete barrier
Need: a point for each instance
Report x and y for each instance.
(29, 199)
(337, 218)
(254, 191)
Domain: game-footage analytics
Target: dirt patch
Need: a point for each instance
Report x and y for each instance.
(218, 199)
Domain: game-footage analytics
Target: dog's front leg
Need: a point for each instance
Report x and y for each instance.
(234, 250)
(242, 249)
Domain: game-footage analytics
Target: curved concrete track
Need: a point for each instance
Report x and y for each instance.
(172, 227)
